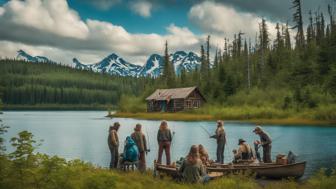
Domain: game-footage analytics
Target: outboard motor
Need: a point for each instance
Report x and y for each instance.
(291, 157)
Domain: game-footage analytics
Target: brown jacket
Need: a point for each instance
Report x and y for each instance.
(113, 140)
(140, 140)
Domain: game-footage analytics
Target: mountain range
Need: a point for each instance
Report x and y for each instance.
(22, 55)
(116, 65)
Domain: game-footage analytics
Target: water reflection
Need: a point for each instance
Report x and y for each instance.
(83, 134)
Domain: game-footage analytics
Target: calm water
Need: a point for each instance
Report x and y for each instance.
(83, 135)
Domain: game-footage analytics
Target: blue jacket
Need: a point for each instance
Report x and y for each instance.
(131, 152)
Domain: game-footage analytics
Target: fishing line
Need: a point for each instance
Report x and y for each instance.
(148, 142)
(204, 129)
(172, 143)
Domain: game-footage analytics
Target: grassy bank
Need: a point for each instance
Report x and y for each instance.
(263, 115)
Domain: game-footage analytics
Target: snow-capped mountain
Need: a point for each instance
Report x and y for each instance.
(115, 65)
(187, 61)
(22, 55)
(180, 60)
(153, 66)
(112, 64)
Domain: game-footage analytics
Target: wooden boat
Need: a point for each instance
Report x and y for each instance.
(172, 171)
(263, 170)
(268, 170)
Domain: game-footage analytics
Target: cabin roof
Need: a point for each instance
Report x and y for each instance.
(175, 93)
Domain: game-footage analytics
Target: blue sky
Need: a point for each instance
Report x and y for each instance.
(120, 14)
(89, 30)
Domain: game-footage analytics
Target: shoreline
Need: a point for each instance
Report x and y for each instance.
(208, 117)
(55, 107)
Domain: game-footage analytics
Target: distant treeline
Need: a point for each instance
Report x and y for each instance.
(26, 83)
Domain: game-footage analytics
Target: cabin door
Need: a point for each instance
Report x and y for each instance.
(163, 106)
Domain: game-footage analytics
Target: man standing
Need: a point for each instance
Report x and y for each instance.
(265, 142)
(113, 143)
(221, 141)
(140, 140)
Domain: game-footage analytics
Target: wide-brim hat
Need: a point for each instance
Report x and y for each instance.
(257, 128)
(241, 141)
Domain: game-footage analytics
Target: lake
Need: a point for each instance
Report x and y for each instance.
(83, 135)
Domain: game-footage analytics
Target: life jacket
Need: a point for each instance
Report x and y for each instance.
(131, 152)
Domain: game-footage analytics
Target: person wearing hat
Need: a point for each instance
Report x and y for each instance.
(113, 143)
(244, 150)
(265, 142)
(220, 136)
(140, 140)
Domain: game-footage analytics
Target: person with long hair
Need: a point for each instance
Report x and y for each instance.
(164, 138)
(204, 156)
(220, 136)
(192, 168)
(113, 143)
(265, 142)
(140, 140)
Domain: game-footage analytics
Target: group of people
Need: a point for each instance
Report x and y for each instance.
(193, 166)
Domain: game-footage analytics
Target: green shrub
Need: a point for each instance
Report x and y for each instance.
(131, 104)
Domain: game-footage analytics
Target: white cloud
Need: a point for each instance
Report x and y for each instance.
(51, 16)
(142, 8)
(35, 25)
(50, 28)
(224, 20)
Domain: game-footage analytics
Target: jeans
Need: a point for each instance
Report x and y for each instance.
(267, 154)
(114, 157)
(165, 145)
(220, 152)
(142, 162)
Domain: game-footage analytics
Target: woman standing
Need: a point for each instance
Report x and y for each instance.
(164, 139)
(140, 140)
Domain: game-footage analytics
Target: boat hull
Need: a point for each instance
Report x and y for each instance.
(274, 171)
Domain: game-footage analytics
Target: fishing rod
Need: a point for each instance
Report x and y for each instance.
(259, 145)
(148, 142)
(205, 130)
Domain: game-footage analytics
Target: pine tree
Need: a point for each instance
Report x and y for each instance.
(297, 18)
(287, 37)
(208, 52)
(310, 29)
(264, 36)
(168, 69)
(247, 58)
(204, 69)
(278, 41)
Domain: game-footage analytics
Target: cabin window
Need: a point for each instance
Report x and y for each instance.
(188, 104)
(196, 104)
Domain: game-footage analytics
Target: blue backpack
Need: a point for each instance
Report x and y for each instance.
(131, 152)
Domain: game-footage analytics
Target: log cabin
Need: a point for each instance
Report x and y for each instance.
(174, 100)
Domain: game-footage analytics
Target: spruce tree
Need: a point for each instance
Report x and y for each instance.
(168, 69)
(297, 18)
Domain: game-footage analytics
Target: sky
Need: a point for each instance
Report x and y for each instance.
(90, 30)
